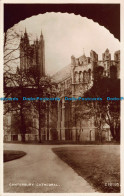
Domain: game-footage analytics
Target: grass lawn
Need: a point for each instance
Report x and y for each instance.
(99, 165)
(10, 155)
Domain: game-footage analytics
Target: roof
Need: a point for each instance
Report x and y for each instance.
(62, 74)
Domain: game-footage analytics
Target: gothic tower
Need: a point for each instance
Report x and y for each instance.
(32, 55)
(24, 51)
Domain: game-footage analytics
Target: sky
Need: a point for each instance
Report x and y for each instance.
(66, 35)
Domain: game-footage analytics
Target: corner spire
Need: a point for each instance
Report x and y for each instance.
(26, 39)
(41, 35)
(25, 34)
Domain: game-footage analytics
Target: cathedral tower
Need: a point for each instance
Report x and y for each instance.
(24, 51)
(32, 55)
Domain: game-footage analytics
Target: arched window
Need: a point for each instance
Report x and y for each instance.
(89, 72)
(76, 77)
(80, 76)
(84, 76)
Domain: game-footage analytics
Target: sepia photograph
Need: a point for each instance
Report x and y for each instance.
(61, 98)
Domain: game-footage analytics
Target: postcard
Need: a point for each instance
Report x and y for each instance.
(62, 97)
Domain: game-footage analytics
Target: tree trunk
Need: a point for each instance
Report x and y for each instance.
(23, 127)
(117, 131)
(48, 120)
(114, 132)
(39, 111)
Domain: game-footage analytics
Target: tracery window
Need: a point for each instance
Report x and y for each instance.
(80, 76)
(89, 72)
(76, 77)
(84, 76)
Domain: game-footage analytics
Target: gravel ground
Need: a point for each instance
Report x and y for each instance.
(41, 171)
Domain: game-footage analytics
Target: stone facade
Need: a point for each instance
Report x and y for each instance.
(73, 81)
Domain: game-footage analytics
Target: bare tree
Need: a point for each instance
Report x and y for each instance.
(15, 81)
(104, 111)
(43, 88)
(24, 82)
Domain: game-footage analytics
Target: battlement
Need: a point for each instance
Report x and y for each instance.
(83, 65)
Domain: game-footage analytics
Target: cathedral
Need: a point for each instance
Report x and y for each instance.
(72, 81)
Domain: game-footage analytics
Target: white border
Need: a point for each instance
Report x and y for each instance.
(122, 93)
(1, 93)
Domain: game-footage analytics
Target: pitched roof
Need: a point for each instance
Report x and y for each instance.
(62, 74)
